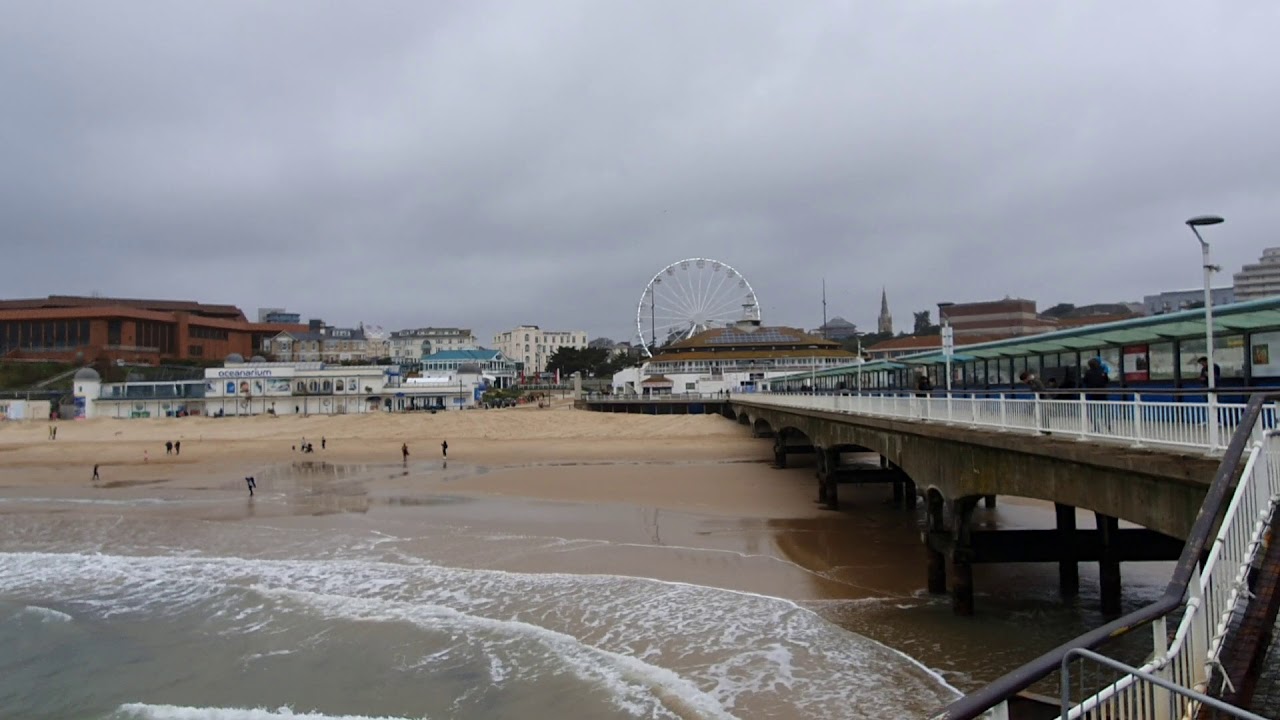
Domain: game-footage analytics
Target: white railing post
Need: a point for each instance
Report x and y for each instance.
(1084, 416)
(950, 417)
(1198, 633)
(1004, 422)
(1211, 416)
(1137, 419)
(1162, 699)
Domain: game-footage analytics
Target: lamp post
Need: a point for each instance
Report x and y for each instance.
(653, 302)
(946, 340)
(1211, 399)
(860, 360)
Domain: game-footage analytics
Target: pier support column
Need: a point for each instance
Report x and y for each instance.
(822, 472)
(1068, 568)
(909, 496)
(828, 477)
(898, 501)
(829, 460)
(779, 450)
(1109, 564)
(962, 558)
(989, 502)
(935, 523)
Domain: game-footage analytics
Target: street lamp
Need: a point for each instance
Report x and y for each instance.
(1209, 269)
(947, 344)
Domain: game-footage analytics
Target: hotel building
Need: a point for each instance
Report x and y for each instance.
(532, 347)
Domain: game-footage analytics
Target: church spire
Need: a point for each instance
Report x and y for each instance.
(885, 323)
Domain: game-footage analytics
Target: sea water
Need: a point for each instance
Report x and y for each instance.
(106, 615)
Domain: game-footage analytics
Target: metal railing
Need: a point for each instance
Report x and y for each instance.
(1151, 696)
(663, 397)
(1231, 525)
(1132, 420)
(1215, 593)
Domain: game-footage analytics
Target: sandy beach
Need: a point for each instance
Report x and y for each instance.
(557, 451)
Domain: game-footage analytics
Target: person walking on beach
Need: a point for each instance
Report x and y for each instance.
(404, 450)
(177, 447)
(249, 481)
(323, 442)
(95, 473)
(168, 447)
(444, 449)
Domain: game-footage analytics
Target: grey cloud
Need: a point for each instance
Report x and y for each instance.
(489, 164)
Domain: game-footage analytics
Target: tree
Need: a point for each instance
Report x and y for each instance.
(1059, 310)
(922, 324)
(588, 361)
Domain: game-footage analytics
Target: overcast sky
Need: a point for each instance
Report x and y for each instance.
(490, 164)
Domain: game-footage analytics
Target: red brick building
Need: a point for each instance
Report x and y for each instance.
(90, 329)
(1010, 317)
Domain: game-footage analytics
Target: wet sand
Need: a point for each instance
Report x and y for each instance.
(687, 499)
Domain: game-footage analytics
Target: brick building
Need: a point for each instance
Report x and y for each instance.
(1010, 317)
(89, 329)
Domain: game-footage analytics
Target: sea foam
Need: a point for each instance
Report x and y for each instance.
(688, 649)
(143, 711)
(45, 614)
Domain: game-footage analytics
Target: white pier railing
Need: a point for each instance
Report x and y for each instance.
(1218, 591)
(1133, 421)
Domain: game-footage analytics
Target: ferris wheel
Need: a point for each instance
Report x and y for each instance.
(691, 296)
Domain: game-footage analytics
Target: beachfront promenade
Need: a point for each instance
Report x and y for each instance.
(1204, 496)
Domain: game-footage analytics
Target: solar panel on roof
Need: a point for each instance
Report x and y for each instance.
(733, 337)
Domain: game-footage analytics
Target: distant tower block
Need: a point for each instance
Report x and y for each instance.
(885, 323)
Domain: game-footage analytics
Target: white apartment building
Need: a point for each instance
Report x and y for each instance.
(533, 346)
(1261, 279)
(408, 347)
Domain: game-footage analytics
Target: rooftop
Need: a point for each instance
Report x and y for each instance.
(479, 355)
(909, 342)
(770, 336)
(80, 301)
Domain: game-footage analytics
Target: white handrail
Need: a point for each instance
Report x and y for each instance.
(1135, 422)
(1213, 598)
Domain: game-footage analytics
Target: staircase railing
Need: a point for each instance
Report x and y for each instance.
(1229, 527)
(1153, 695)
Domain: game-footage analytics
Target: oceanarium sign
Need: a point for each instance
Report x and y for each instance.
(250, 373)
